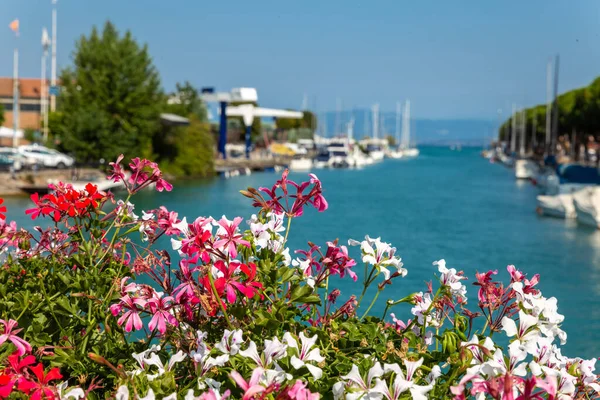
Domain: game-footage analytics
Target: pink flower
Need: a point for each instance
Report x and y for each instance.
(117, 172)
(131, 317)
(167, 221)
(300, 392)
(138, 175)
(229, 236)
(161, 185)
(252, 387)
(160, 306)
(9, 333)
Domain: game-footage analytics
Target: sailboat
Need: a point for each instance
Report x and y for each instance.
(525, 168)
(407, 150)
(397, 152)
(373, 145)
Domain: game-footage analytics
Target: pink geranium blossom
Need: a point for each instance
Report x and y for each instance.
(229, 237)
(9, 333)
(160, 308)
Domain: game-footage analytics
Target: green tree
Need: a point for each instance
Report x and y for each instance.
(195, 150)
(1, 114)
(111, 98)
(186, 101)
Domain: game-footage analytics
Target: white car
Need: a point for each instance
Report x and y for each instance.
(47, 157)
(20, 161)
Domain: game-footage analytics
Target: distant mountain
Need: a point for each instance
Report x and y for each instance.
(424, 131)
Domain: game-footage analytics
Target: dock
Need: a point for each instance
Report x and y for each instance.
(252, 165)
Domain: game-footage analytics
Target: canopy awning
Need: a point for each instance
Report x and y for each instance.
(173, 119)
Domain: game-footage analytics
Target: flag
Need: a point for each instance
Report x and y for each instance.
(45, 38)
(14, 26)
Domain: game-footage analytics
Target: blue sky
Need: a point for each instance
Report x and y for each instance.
(453, 59)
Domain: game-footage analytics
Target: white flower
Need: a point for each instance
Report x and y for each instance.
(304, 267)
(122, 393)
(305, 354)
(201, 355)
(148, 396)
(155, 360)
(230, 343)
(450, 278)
(478, 354)
(359, 388)
(274, 350)
(499, 365)
(379, 254)
(260, 232)
(73, 393)
(527, 332)
(126, 210)
(401, 384)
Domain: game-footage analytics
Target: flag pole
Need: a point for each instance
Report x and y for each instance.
(15, 96)
(53, 67)
(44, 88)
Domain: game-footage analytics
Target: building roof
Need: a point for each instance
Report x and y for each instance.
(28, 87)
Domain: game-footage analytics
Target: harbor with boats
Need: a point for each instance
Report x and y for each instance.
(564, 167)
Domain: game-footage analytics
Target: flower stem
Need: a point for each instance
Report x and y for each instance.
(371, 305)
(221, 306)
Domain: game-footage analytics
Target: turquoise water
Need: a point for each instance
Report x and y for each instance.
(445, 204)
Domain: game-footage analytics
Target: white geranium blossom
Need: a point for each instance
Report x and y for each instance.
(230, 343)
(307, 352)
(274, 350)
(449, 277)
(379, 254)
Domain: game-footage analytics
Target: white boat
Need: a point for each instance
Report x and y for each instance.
(407, 151)
(587, 206)
(339, 151)
(526, 169)
(559, 206)
(301, 164)
(396, 153)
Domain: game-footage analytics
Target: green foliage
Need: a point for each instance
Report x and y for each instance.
(111, 99)
(186, 102)
(63, 306)
(1, 114)
(578, 112)
(391, 140)
(193, 153)
(308, 121)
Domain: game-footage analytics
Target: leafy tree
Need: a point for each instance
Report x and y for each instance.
(194, 145)
(111, 98)
(308, 120)
(186, 101)
(1, 114)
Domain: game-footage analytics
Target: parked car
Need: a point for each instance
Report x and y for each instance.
(20, 161)
(47, 157)
(5, 163)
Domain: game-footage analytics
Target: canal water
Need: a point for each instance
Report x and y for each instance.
(445, 204)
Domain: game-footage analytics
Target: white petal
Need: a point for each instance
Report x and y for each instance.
(296, 362)
(315, 371)
(509, 326)
(354, 376)
(149, 396)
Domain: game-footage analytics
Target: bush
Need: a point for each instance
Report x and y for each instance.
(233, 315)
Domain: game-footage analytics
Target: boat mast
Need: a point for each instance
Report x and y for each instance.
(555, 106)
(513, 129)
(398, 122)
(547, 145)
(533, 142)
(523, 132)
(375, 120)
(406, 125)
